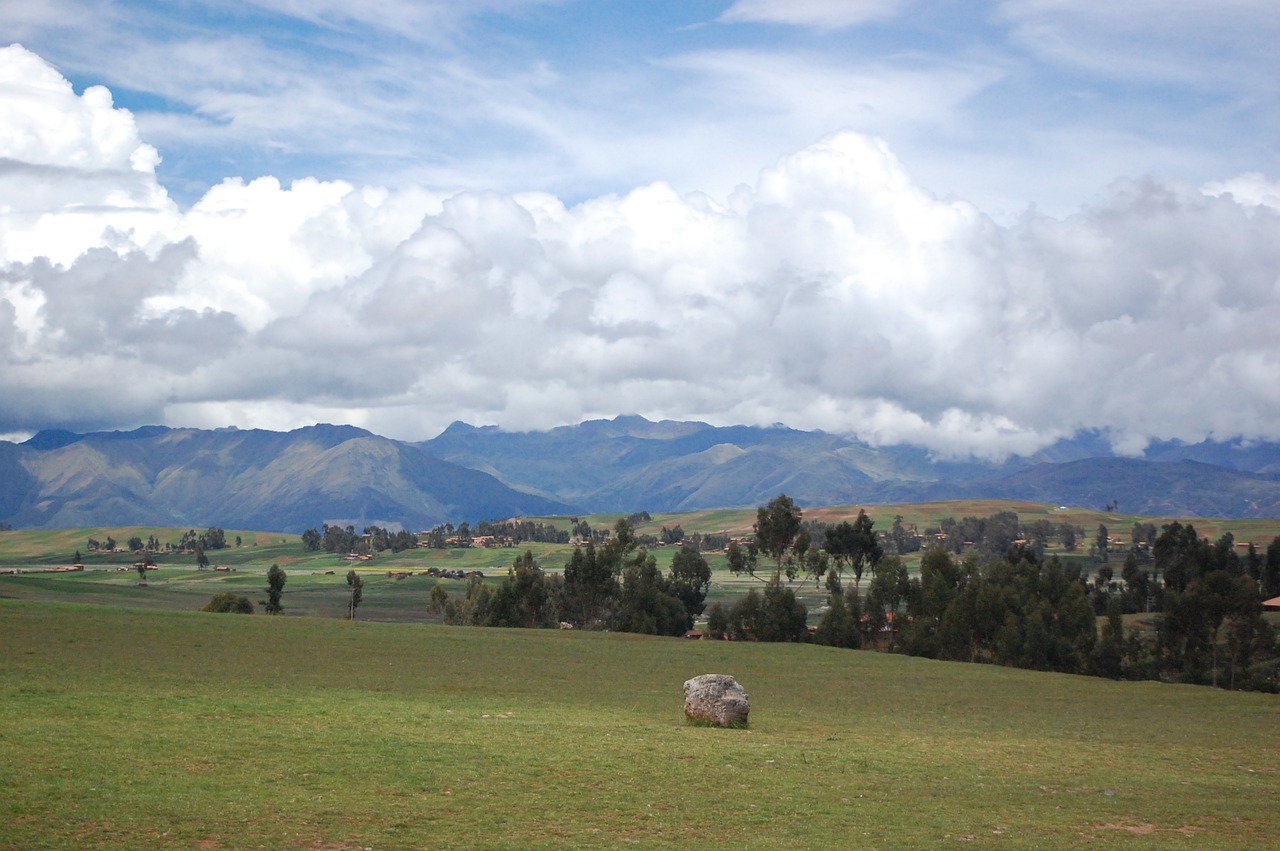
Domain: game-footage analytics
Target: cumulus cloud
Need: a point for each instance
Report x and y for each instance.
(832, 292)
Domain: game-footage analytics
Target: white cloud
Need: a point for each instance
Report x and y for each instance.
(43, 121)
(831, 292)
(75, 155)
(1252, 189)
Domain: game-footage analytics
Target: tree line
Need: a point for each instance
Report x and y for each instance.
(212, 538)
(1004, 602)
(615, 585)
(345, 539)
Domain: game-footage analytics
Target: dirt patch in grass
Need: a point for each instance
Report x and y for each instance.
(1144, 829)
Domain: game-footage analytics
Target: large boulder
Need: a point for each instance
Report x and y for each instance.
(716, 698)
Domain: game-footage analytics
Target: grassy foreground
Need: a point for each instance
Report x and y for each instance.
(133, 728)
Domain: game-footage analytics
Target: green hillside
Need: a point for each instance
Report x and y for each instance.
(129, 729)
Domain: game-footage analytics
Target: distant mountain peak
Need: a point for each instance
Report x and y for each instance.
(52, 438)
(332, 434)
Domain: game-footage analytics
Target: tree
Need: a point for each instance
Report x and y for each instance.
(78, 558)
(439, 599)
(276, 579)
(227, 602)
(202, 560)
(1108, 654)
(311, 540)
(777, 525)
(1143, 534)
(838, 628)
(1101, 543)
(928, 599)
(1180, 555)
(741, 559)
(889, 589)
(1067, 535)
(995, 534)
(645, 604)
(690, 580)
(903, 541)
(717, 620)
(524, 599)
(856, 545)
(817, 564)
(356, 584)
(142, 572)
(1271, 570)
(214, 539)
(775, 615)
(591, 578)
(474, 609)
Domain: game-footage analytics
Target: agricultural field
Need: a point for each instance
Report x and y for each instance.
(317, 580)
(126, 728)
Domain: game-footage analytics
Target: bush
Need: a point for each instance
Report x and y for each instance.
(225, 601)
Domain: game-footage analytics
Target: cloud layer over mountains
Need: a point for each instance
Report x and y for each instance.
(829, 291)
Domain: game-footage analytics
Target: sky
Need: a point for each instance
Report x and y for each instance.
(979, 226)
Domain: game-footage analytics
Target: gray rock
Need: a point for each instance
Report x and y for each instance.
(716, 698)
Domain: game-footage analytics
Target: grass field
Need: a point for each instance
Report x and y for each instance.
(143, 729)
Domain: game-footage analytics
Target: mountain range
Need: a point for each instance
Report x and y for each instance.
(291, 481)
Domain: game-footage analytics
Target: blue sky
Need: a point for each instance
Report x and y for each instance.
(920, 220)
(1006, 103)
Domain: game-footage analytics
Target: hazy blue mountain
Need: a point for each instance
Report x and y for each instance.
(1138, 486)
(629, 463)
(290, 481)
(245, 479)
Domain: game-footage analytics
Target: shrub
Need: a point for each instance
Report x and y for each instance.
(225, 601)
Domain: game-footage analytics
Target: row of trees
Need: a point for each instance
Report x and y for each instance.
(212, 538)
(345, 539)
(521, 531)
(615, 585)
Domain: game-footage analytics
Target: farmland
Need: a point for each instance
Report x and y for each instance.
(317, 585)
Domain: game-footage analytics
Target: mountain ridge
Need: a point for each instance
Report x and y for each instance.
(628, 463)
(291, 481)
(248, 479)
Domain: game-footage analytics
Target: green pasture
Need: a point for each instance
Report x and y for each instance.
(51, 547)
(124, 728)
